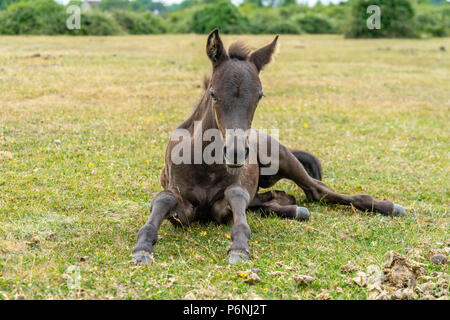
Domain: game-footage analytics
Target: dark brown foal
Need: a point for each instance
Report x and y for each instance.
(219, 183)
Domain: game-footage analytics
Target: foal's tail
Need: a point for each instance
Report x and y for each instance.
(310, 162)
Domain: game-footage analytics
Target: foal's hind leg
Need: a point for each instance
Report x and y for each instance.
(279, 202)
(310, 163)
(315, 190)
(291, 168)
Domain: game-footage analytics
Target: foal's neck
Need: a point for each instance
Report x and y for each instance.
(204, 113)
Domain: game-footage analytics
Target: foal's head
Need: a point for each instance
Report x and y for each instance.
(234, 91)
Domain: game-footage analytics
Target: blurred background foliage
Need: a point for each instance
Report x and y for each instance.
(400, 18)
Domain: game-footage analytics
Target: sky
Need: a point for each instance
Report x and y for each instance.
(310, 2)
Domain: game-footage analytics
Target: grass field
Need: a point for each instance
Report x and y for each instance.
(84, 124)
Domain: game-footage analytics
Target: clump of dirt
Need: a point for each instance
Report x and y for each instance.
(208, 293)
(401, 277)
(438, 256)
(250, 276)
(324, 295)
(38, 55)
(349, 267)
(360, 279)
(439, 259)
(401, 271)
(6, 154)
(301, 279)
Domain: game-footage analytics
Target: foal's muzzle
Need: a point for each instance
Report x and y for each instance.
(235, 157)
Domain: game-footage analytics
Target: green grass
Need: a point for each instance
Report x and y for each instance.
(376, 114)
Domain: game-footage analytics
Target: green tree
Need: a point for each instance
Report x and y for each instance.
(285, 3)
(34, 17)
(6, 3)
(148, 5)
(433, 20)
(269, 21)
(314, 23)
(396, 19)
(222, 14)
(139, 22)
(257, 3)
(114, 4)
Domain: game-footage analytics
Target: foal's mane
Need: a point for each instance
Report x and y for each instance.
(239, 50)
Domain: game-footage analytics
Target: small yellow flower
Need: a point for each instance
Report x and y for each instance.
(265, 289)
(228, 236)
(243, 274)
(91, 165)
(203, 233)
(211, 260)
(305, 125)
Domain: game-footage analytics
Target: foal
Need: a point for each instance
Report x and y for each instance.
(223, 191)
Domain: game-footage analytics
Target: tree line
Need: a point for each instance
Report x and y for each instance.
(399, 18)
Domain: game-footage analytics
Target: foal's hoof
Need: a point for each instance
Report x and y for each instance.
(398, 210)
(238, 257)
(302, 214)
(142, 258)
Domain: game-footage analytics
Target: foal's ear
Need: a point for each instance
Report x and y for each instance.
(264, 55)
(215, 49)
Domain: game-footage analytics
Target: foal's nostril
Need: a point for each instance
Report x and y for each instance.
(234, 157)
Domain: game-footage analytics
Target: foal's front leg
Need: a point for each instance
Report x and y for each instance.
(147, 236)
(238, 199)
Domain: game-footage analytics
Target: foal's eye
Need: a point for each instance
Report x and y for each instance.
(213, 96)
(261, 95)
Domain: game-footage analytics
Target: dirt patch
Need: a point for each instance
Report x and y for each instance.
(349, 267)
(6, 155)
(403, 278)
(12, 246)
(401, 271)
(208, 293)
(250, 276)
(324, 295)
(301, 279)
